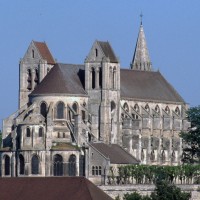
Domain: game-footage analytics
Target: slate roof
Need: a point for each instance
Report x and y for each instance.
(146, 85)
(108, 51)
(62, 79)
(115, 153)
(50, 188)
(44, 52)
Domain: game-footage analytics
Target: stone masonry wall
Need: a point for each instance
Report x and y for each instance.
(114, 191)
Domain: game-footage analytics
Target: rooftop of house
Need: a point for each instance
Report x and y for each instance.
(51, 188)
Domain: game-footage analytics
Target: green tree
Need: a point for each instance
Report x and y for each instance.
(135, 196)
(167, 191)
(163, 191)
(191, 152)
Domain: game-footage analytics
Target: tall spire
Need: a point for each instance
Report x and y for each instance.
(141, 59)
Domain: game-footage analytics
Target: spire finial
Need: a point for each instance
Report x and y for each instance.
(141, 15)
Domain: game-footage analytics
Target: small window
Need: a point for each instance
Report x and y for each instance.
(43, 109)
(113, 106)
(96, 52)
(40, 132)
(35, 165)
(33, 53)
(99, 170)
(60, 110)
(93, 170)
(93, 78)
(21, 165)
(7, 165)
(28, 132)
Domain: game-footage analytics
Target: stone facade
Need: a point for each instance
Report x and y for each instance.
(65, 109)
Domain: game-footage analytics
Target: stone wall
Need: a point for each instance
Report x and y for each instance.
(114, 191)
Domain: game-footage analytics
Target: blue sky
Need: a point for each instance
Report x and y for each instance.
(70, 27)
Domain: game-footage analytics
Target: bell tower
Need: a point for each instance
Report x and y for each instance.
(33, 67)
(102, 83)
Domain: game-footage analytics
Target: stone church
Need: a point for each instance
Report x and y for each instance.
(81, 119)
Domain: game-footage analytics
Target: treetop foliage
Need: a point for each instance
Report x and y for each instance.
(191, 138)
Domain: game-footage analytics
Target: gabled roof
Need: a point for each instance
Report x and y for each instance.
(62, 79)
(44, 52)
(115, 153)
(50, 188)
(146, 85)
(108, 51)
(141, 59)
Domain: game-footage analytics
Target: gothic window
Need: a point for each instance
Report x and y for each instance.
(28, 132)
(43, 109)
(136, 108)
(58, 165)
(35, 165)
(157, 109)
(93, 78)
(60, 110)
(93, 170)
(21, 165)
(7, 165)
(112, 106)
(126, 108)
(147, 108)
(40, 132)
(72, 165)
(29, 86)
(167, 110)
(100, 77)
(177, 111)
(82, 165)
